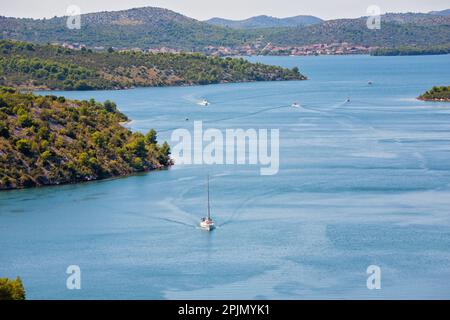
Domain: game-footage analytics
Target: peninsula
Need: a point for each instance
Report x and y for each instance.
(51, 67)
(437, 94)
(49, 140)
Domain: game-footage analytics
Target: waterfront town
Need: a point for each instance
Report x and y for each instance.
(253, 49)
(306, 50)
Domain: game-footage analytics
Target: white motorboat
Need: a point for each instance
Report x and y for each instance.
(204, 103)
(295, 105)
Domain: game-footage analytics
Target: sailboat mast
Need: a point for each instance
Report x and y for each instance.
(209, 209)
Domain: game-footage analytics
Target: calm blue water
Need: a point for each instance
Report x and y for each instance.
(360, 183)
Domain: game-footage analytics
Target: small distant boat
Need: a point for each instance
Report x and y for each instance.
(207, 223)
(370, 83)
(204, 103)
(348, 99)
(295, 105)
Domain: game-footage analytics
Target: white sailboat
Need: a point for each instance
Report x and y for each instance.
(207, 223)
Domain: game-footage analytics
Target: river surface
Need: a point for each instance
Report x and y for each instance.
(361, 182)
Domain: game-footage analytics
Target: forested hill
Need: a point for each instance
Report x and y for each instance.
(396, 30)
(27, 65)
(138, 27)
(150, 27)
(50, 140)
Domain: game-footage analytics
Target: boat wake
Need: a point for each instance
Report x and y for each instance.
(191, 225)
(232, 117)
(179, 216)
(245, 115)
(237, 213)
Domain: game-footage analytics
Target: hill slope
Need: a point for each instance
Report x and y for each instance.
(50, 140)
(155, 27)
(265, 22)
(140, 27)
(29, 65)
(396, 30)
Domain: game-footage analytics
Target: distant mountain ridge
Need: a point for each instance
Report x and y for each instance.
(397, 29)
(145, 15)
(265, 22)
(150, 27)
(137, 27)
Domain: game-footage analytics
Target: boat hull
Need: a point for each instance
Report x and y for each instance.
(207, 226)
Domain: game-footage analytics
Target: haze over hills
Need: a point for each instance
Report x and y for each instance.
(265, 22)
(150, 27)
(441, 13)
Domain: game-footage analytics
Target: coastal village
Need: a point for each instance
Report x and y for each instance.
(257, 48)
(306, 50)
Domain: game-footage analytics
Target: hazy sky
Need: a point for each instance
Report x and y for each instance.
(233, 9)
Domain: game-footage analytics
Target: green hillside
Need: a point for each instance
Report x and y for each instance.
(150, 27)
(139, 27)
(394, 32)
(29, 65)
(50, 140)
